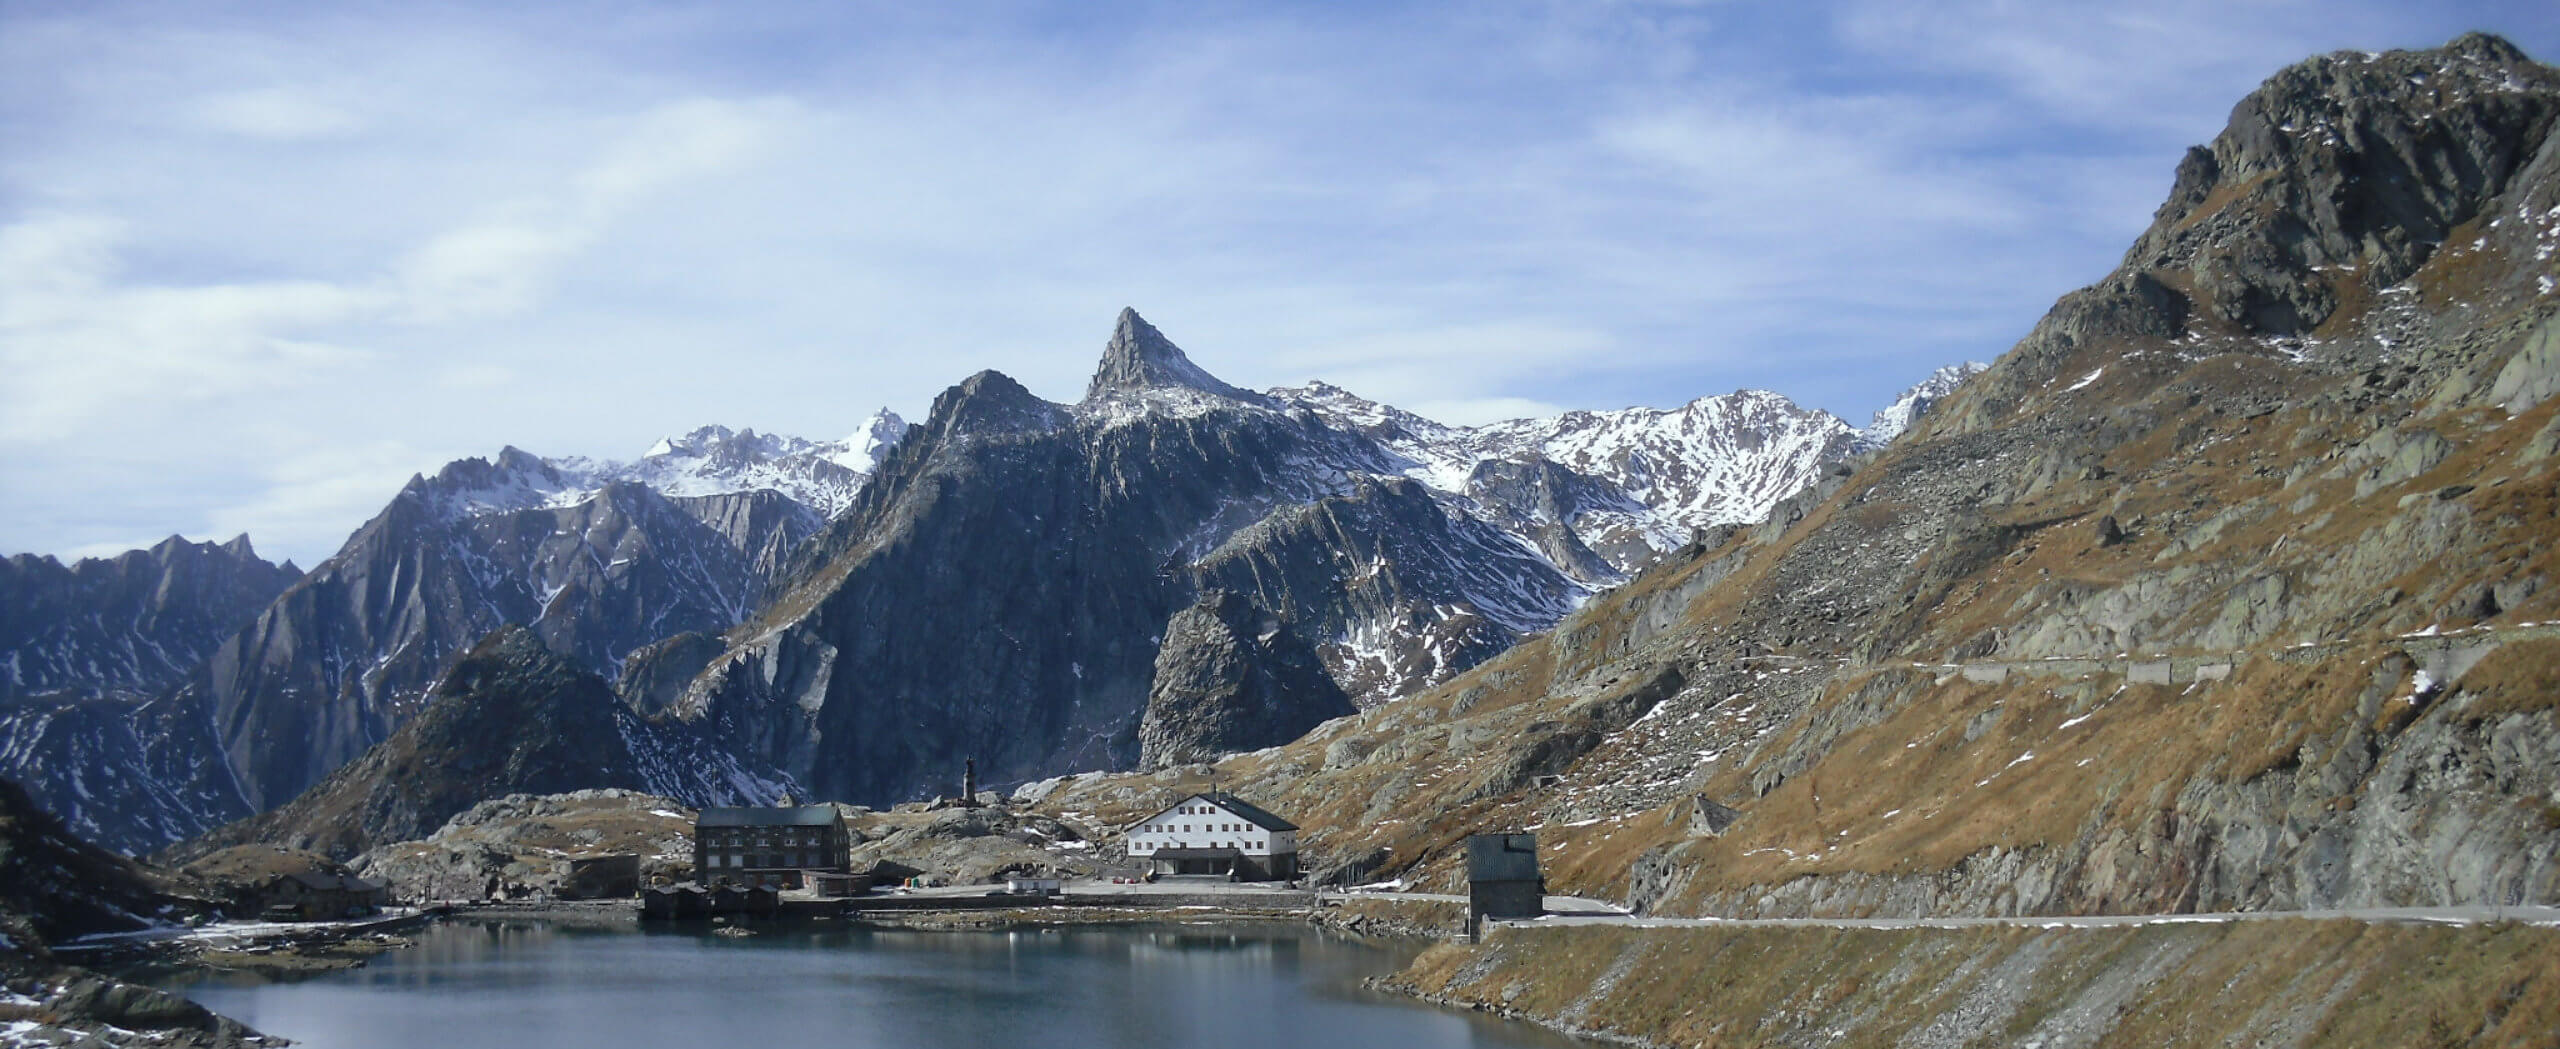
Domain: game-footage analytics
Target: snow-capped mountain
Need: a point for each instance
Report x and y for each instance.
(1629, 484)
(711, 460)
(1892, 419)
(1009, 555)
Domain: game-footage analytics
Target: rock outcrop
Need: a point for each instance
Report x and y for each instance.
(345, 657)
(511, 717)
(1232, 676)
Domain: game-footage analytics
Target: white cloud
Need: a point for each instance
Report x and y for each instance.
(305, 500)
(277, 114)
(258, 238)
(77, 343)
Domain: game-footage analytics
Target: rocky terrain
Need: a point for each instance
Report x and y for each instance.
(955, 845)
(1232, 676)
(1402, 550)
(54, 887)
(2227, 588)
(86, 649)
(520, 846)
(512, 717)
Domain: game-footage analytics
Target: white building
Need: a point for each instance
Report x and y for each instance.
(1217, 834)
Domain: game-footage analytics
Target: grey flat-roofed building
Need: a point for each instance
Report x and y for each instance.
(1503, 879)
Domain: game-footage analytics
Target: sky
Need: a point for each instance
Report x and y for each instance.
(260, 263)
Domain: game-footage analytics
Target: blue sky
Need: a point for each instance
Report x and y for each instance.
(259, 263)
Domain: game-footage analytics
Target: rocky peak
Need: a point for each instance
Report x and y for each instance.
(990, 402)
(862, 451)
(1140, 358)
(2331, 184)
(2348, 168)
(1892, 419)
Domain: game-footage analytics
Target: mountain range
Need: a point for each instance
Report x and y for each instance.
(774, 600)
(2228, 588)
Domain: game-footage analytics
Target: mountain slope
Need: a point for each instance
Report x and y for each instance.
(344, 657)
(511, 717)
(1626, 485)
(132, 624)
(1001, 590)
(85, 649)
(2227, 588)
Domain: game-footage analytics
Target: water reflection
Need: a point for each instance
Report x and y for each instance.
(529, 983)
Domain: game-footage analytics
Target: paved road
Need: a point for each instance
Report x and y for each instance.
(2413, 915)
(1576, 910)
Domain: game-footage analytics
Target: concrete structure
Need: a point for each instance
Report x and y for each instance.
(1217, 833)
(768, 847)
(318, 896)
(1503, 879)
(612, 876)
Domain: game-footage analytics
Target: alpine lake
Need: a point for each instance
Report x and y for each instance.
(536, 983)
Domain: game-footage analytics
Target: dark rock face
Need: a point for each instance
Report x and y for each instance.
(1140, 358)
(346, 655)
(1232, 676)
(132, 624)
(512, 717)
(654, 676)
(126, 773)
(2337, 178)
(1402, 593)
(1000, 590)
(84, 648)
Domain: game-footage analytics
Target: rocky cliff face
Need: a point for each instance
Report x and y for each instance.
(133, 624)
(2227, 588)
(345, 657)
(1232, 676)
(999, 592)
(84, 651)
(511, 717)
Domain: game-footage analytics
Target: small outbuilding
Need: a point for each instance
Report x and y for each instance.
(1503, 879)
(319, 896)
(613, 876)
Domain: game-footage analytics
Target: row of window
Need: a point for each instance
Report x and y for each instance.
(762, 841)
(800, 859)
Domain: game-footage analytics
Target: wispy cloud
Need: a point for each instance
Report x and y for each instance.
(258, 265)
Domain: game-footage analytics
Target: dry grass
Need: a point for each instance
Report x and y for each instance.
(2254, 983)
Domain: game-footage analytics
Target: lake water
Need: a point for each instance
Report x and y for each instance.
(535, 984)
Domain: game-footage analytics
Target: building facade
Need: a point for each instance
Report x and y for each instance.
(1503, 880)
(768, 847)
(1217, 834)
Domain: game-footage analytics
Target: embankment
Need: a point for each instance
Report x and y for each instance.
(2258, 983)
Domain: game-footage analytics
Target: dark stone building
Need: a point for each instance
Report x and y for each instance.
(318, 896)
(768, 847)
(1503, 879)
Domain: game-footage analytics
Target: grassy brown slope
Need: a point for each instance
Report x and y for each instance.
(2276, 983)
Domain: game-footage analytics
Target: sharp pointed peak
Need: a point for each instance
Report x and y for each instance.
(1139, 357)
